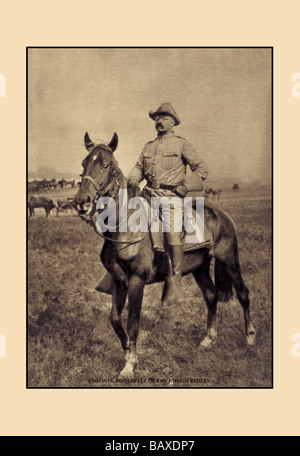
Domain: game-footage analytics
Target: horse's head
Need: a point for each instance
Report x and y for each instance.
(100, 175)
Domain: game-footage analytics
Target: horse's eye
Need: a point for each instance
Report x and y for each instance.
(105, 165)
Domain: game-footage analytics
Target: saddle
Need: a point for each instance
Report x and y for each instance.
(194, 237)
(189, 241)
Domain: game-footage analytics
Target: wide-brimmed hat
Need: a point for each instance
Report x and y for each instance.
(167, 109)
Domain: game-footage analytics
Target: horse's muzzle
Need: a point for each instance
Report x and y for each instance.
(84, 210)
(84, 205)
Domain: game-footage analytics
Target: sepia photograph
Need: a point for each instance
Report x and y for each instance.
(149, 217)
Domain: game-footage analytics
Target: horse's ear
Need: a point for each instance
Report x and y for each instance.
(88, 142)
(114, 142)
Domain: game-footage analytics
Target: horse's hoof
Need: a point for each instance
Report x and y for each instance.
(172, 302)
(126, 374)
(207, 342)
(251, 339)
(167, 305)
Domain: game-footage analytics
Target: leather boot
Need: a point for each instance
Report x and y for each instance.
(173, 292)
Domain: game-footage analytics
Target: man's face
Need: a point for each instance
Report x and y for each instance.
(164, 123)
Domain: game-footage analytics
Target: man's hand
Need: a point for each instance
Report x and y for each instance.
(181, 190)
(133, 187)
(193, 184)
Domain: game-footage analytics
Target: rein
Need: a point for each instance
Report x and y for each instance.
(133, 241)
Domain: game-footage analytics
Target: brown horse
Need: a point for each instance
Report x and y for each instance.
(40, 201)
(131, 261)
(65, 205)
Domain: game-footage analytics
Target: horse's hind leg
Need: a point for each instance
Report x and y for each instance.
(135, 298)
(242, 293)
(204, 281)
(228, 274)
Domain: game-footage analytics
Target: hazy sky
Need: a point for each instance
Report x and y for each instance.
(222, 96)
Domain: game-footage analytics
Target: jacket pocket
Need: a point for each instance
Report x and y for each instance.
(169, 160)
(147, 155)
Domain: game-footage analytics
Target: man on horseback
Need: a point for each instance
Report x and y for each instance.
(163, 164)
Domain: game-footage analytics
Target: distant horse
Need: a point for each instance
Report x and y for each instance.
(217, 193)
(235, 187)
(40, 201)
(71, 183)
(39, 185)
(63, 183)
(32, 186)
(208, 191)
(214, 193)
(66, 205)
(132, 263)
(52, 184)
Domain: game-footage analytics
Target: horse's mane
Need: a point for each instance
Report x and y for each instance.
(119, 180)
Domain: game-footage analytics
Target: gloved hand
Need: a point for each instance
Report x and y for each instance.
(181, 190)
(133, 187)
(193, 184)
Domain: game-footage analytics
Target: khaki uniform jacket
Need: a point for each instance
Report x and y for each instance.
(164, 161)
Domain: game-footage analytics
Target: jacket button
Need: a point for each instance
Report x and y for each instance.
(154, 163)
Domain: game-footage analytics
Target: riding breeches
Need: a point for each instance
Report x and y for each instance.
(167, 216)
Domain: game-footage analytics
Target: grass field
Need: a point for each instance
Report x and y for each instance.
(72, 344)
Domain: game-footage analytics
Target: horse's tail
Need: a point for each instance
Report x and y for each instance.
(223, 281)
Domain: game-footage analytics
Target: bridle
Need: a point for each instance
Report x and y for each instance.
(97, 187)
(99, 193)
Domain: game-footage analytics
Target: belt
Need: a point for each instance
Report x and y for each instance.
(157, 186)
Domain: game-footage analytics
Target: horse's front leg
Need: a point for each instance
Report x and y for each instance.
(119, 295)
(135, 298)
